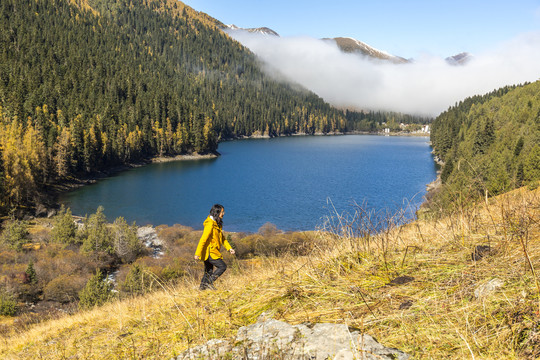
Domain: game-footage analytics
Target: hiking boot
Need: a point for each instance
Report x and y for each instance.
(210, 287)
(207, 287)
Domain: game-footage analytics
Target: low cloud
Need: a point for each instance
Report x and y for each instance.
(427, 86)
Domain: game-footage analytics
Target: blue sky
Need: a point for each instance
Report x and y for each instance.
(404, 28)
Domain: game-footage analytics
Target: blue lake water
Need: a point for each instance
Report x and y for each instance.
(292, 182)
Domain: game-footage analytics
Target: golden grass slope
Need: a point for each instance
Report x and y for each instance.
(432, 313)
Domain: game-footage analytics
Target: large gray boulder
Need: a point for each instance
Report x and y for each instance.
(273, 339)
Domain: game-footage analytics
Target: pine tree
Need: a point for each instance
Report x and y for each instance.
(96, 292)
(532, 165)
(98, 235)
(31, 273)
(137, 282)
(127, 246)
(519, 146)
(15, 234)
(64, 229)
(447, 170)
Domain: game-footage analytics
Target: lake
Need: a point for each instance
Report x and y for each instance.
(292, 182)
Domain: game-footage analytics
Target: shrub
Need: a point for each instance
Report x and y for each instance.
(268, 229)
(173, 271)
(15, 234)
(96, 292)
(8, 304)
(8, 257)
(171, 235)
(64, 288)
(49, 264)
(246, 246)
(273, 245)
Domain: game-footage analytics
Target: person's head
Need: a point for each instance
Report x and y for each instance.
(217, 211)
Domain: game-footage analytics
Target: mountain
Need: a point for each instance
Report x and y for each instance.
(459, 59)
(350, 45)
(259, 30)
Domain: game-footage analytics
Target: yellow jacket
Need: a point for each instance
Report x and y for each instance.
(211, 241)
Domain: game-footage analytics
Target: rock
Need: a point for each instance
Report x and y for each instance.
(149, 237)
(265, 339)
(488, 288)
(405, 305)
(41, 210)
(480, 251)
(400, 280)
(214, 349)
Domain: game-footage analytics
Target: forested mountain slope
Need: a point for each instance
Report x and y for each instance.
(90, 84)
(489, 144)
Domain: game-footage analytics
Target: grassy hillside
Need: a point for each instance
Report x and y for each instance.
(412, 287)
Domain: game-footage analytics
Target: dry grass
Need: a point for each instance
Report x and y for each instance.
(433, 313)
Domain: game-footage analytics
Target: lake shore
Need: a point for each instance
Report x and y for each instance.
(263, 136)
(185, 157)
(50, 202)
(58, 190)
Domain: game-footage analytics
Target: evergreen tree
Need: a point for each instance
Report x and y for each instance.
(520, 175)
(31, 274)
(138, 281)
(15, 234)
(64, 229)
(98, 237)
(519, 146)
(96, 292)
(8, 303)
(498, 180)
(127, 246)
(447, 170)
(532, 165)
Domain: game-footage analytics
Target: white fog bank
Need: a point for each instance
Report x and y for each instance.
(427, 86)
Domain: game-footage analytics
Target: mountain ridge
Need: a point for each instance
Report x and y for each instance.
(355, 46)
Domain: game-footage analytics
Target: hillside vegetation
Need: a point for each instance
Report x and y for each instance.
(52, 267)
(419, 287)
(489, 144)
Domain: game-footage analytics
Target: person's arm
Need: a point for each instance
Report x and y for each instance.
(207, 232)
(228, 246)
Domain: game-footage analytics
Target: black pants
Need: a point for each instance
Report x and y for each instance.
(209, 274)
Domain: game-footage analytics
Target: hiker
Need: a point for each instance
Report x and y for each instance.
(209, 245)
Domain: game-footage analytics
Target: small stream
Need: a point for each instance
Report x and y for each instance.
(149, 237)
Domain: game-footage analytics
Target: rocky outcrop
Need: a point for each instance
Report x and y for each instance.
(488, 288)
(149, 237)
(271, 339)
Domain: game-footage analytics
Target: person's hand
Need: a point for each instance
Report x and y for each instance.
(232, 251)
(196, 257)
